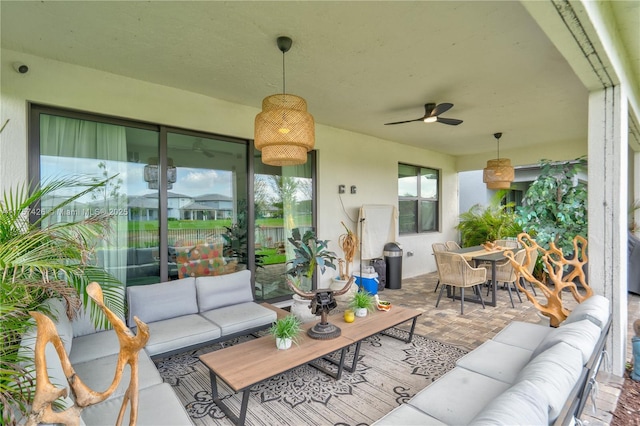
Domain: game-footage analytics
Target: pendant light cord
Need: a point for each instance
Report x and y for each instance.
(284, 91)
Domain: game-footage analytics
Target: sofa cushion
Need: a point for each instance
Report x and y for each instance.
(458, 396)
(595, 309)
(523, 403)
(157, 406)
(243, 316)
(408, 415)
(555, 372)
(98, 373)
(496, 360)
(223, 290)
(522, 334)
(92, 346)
(180, 332)
(162, 301)
(582, 335)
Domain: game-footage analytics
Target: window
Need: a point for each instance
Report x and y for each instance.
(418, 192)
(195, 218)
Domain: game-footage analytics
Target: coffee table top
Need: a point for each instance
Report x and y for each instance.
(242, 366)
(251, 362)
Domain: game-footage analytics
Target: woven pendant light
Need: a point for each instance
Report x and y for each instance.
(499, 173)
(284, 130)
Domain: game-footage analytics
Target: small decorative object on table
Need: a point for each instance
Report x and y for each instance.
(362, 303)
(286, 331)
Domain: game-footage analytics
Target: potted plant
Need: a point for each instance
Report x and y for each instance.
(310, 253)
(349, 244)
(362, 303)
(480, 224)
(286, 331)
(43, 258)
(554, 208)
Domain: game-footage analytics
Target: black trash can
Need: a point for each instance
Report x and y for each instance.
(393, 259)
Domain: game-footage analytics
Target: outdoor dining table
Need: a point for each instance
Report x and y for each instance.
(478, 254)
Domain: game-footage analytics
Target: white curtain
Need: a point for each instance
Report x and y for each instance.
(72, 147)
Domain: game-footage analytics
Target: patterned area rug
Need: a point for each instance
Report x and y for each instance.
(389, 372)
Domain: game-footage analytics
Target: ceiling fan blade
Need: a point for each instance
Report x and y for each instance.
(440, 108)
(449, 121)
(401, 122)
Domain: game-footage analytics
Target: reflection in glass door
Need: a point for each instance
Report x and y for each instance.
(72, 147)
(206, 206)
(284, 200)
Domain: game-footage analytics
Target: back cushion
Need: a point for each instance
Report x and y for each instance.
(582, 335)
(523, 403)
(224, 290)
(595, 309)
(555, 372)
(157, 302)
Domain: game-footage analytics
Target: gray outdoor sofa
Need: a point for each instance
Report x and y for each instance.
(527, 374)
(181, 315)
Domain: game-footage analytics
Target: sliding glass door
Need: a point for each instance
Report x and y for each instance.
(284, 200)
(183, 203)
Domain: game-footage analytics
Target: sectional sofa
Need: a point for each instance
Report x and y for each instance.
(528, 374)
(181, 315)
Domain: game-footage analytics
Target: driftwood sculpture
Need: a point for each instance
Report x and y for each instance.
(555, 263)
(47, 393)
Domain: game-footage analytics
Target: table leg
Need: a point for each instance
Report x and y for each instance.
(494, 283)
(237, 420)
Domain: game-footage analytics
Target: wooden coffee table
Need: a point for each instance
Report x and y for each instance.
(247, 364)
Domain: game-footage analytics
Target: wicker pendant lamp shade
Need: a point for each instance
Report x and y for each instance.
(284, 131)
(499, 173)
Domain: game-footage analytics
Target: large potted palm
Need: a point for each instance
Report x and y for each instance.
(42, 258)
(310, 254)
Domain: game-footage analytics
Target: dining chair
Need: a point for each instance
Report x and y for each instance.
(455, 271)
(438, 247)
(530, 267)
(505, 273)
(509, 244)
(452, 245)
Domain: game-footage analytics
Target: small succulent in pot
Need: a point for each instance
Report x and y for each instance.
(286, 331)
(362, 303)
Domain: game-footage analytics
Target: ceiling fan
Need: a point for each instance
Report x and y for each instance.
(432, 115)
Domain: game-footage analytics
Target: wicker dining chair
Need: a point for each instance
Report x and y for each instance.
(509, 244)
(438, 247)
(452, 245)
(455, 271)
(505, 273)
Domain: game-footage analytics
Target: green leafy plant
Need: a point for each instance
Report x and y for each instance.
(41, 258)
(309, 254)
(362, 300)
(288, 327)
(481, 224)
(554, 208)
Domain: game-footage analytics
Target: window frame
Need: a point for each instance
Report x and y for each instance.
(418, 199)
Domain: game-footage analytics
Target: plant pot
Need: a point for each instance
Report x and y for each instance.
(337, 284)
(283, 343)
(301, 309)
(361, 312)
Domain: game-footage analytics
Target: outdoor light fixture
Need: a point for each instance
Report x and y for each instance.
(151, 173)
(284, 130)
(499, 173)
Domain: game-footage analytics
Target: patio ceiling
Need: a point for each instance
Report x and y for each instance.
(358, 64)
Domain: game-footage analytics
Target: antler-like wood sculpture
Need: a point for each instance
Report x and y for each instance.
(322, 302)
(47, 393)
(555, 263)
